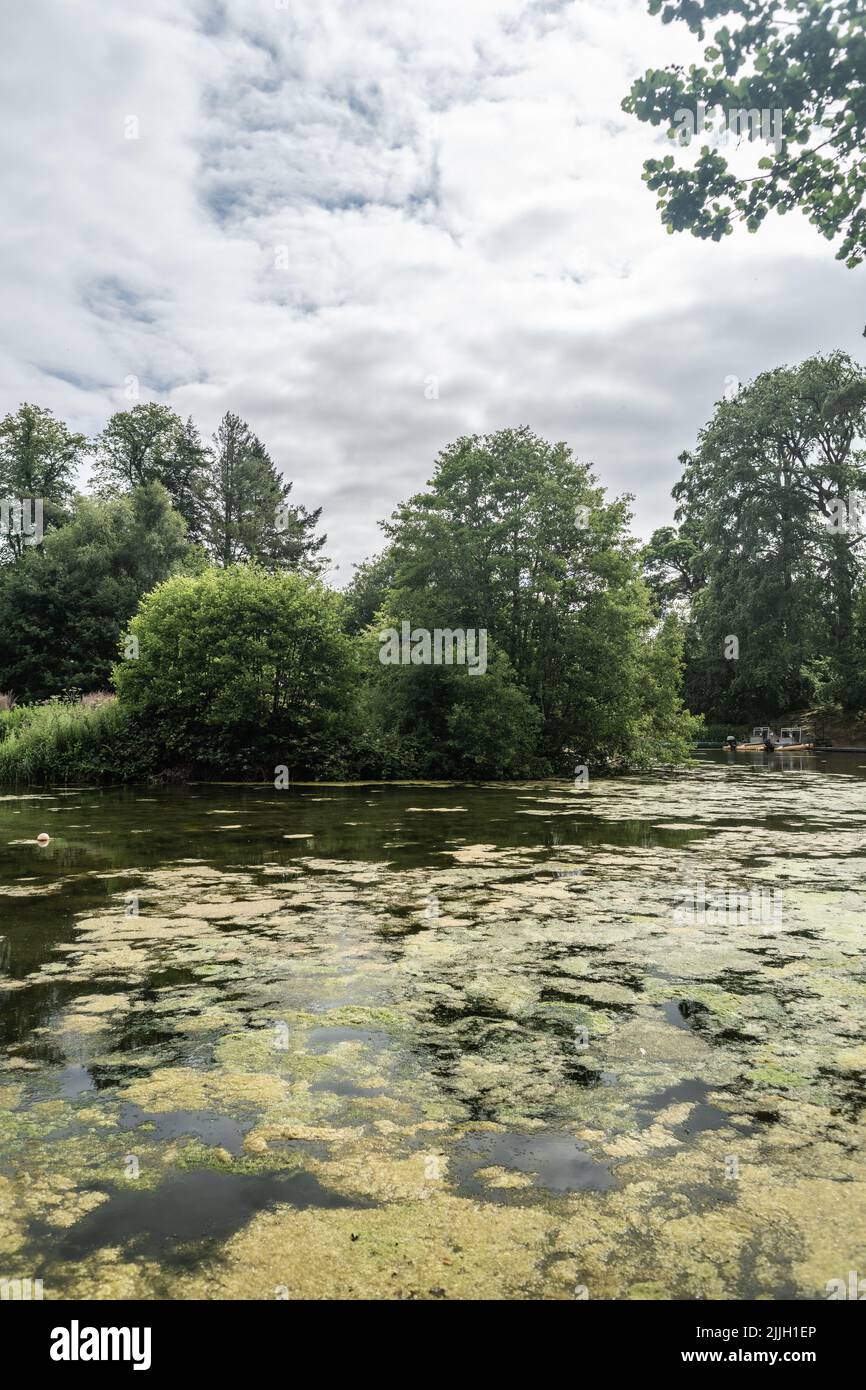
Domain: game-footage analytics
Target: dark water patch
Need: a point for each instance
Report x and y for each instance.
(849, 1092)
(320, 1040)
(396, 931)
(614, 973)
(558, 1161)
(685, 1013)
(219, 1131)
(551, 995)
(581, 1075)
(779, 961)
(737, 1037)
(141, 1032)
(740, 982)
(446, 1015)
(707, 1197)
(703, 1116)
(110, 1075)
(610, 1006)
(169, 977)
(553, 1024)
(75, 1080)
(24, 1010)
(188, 1211)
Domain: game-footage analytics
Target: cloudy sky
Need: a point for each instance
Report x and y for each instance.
(319, 214)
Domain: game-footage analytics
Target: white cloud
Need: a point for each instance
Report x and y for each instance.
(458, 195)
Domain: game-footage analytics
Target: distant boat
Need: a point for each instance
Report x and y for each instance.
(790, 739)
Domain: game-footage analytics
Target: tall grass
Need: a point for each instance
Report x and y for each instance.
(59, 741)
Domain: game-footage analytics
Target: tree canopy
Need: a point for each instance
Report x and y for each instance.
(38, 459)
(802, 59)
(192, 581)
(514, 536)
(151, 444)
(249, 516)
(760, 554)
(64, 605)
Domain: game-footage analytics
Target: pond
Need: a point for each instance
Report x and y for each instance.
(433, 1041)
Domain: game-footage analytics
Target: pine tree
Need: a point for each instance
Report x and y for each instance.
(249, 513)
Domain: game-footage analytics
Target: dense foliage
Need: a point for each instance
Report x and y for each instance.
(38, 459)
(65, 603)
(240, 670)
(770, 546)
(514, 536)
(190, 583)
(86, 740)
(804, 59)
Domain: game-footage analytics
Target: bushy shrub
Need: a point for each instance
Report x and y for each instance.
(239, 671)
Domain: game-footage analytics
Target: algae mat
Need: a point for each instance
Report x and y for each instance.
(437, 1042)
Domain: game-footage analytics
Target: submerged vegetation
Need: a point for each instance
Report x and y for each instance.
(428, 1042)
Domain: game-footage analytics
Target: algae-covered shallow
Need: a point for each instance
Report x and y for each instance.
(432, 1041)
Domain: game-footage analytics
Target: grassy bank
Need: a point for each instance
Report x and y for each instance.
(58, 741)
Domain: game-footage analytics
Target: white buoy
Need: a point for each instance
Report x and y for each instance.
(43, 839)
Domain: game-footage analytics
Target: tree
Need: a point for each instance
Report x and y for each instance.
(38, 459)
(440, 721)
(64, 606)
(803, 60)
(151, 444)
(241, 671)
(662, 731)
(514, 536)
(671, 565)
(189, 481)
(762, 497)
(249, 514)
(367, 591)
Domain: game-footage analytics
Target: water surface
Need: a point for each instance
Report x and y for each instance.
(437, 1041)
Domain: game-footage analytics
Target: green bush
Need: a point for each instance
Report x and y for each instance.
(239, 671)
(11, 718)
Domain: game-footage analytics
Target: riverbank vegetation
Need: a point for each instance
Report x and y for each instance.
(192, 587)
(768, 548)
